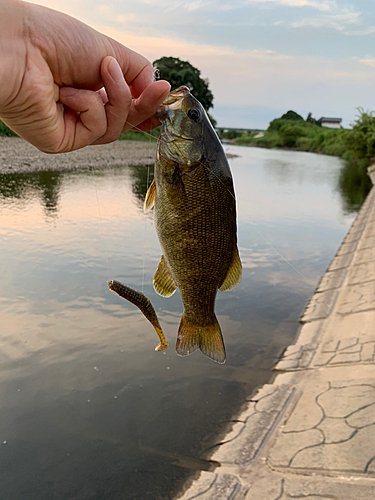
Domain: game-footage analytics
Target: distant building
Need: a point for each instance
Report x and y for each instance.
(330, 122)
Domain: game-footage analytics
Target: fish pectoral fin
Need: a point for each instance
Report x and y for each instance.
(208, 338)
(163, 281)
(234, 274)
(150, 197)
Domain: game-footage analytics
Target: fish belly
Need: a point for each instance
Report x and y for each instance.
(197, 233)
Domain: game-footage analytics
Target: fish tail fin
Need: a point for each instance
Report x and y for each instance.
(208, 338)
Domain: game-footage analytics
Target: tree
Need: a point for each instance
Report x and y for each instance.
(310, 119)
(178, 73)
(292, 115)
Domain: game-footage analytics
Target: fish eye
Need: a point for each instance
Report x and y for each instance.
(194, 114)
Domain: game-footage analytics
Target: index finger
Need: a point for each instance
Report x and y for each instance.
(138, 71)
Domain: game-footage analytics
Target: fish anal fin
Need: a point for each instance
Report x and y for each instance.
(163, 281)
(150, 197)
(234, 274)
(207, 338)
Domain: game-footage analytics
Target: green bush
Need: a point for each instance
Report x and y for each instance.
(303, 136)
(354, 184)
(276, 124)
(334, 143)
(4, 130)
(245, 139)
(232, 134)
(290, 134)
(360, 140)
(304, 144)
(133, 135)
(292, 115)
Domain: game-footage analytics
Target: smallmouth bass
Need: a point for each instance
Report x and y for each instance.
(195, 219)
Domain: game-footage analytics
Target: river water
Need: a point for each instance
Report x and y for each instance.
(88, 409)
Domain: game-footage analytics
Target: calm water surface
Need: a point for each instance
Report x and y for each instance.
(88, 409)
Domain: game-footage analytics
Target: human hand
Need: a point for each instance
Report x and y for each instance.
(64, 85)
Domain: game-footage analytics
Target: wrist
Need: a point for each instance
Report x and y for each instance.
(12, 50)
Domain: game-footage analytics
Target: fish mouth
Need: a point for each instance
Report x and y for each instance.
(174, 99)
(172, 102)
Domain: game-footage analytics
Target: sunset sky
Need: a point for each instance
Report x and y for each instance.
(261, 57)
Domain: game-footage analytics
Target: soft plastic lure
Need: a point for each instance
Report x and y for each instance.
(144, 305)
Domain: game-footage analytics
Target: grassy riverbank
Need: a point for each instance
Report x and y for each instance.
(302, 136)
(356, 144)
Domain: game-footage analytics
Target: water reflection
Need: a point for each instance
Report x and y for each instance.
(44, 185)
(354, 186)
(141, 178)
(89, 410)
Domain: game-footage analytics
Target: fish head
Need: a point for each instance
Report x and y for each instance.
(183, 123)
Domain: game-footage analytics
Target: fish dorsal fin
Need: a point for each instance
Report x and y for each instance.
(163, 281)
(150, 197)
(234, 274)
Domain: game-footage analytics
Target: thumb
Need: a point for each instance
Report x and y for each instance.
(83, 118)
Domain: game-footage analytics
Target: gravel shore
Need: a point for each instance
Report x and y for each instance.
(18, 156)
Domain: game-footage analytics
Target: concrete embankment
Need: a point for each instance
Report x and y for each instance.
(311, 433)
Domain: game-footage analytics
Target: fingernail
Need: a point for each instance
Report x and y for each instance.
(115, 71)
(68, 91)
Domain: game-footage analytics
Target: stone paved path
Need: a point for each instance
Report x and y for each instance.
(311, 434)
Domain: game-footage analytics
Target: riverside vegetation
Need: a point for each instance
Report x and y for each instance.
(293, 132)
(356, 145)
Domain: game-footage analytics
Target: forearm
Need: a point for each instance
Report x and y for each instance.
(12, 50)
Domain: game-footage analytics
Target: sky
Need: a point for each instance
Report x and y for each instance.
(261, 57)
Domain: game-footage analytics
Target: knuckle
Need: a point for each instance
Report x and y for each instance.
(112, 136)
(101, 129)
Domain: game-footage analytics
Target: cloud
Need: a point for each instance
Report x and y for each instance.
(322, 5)
(344, 20)
(192, 6)
(339, 21)
(361, 31)
(368, 61)
(252, 77)
(155, 47)
(187, 5)
(111, 15)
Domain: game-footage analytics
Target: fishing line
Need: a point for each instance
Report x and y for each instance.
(101, 224)
(272, 247)
(254, 225)
(145, 223)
